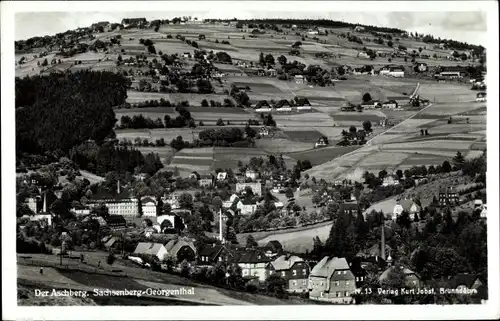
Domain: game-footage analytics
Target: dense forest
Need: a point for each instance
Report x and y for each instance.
(72, 115)
(61, 111)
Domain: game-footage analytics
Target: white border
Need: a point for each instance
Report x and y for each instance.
(11, 311)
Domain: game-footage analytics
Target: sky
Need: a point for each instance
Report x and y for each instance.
(467, 26)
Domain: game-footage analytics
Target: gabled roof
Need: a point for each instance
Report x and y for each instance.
(148, 199)
(385, 274)
(462, 279)
(148, 248)
(213, 250)
(115, 219)
(262, 103)
(282, 103)
(173, 246)
(303, 101)
(251, 256)
(327, 266)
(285, 262)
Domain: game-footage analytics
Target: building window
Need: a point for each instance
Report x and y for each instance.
(346, 283)
(345, 272)
(220, 258)
(294, 283)
(361, 278)
(337, 283)
(304, 271)
(283, 273)
(414, 282)
(339, 272)
(357, 279)
(294, 272)
(347, 294)
(304, 282)
(337, 294)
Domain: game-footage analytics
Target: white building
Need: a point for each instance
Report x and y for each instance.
(148, 206)
(251, 174)
(390, 180)
(300, 79)
(31, 202)
(118, 206)
(255, 186)
(156, 249)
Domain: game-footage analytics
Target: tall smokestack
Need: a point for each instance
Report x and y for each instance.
(45, 202)
(220, 224)
(118, 187)
(382, 245)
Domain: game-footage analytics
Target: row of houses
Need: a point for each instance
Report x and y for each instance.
(300, 104)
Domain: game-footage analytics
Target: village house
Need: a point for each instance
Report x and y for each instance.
(471, 283)
(271, 72)
(453, 72)
(213, 253)
(249, 173)
(116, 221)
(221, 176)
(134, 22)
(371, 104)
(481, 97)
(448, 196)
(397, 72)
(406, 205)
(390, 180)
(246, 207)
(111, 243)
(262, 104)
(181, 249)
(321, 142)
(206, 180)
(411, 278)
(148, 206)
(331, 280)
(155, 249)
(253, 262)
(32, 204)
(421, 66)
(264, 131)
(293, 269)
(302, 102)
(350, 207)
(186, 55)
(300, 79)
(282, 103)
(391, 104)
(359, 29)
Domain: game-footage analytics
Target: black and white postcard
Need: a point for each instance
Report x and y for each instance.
(195, 160)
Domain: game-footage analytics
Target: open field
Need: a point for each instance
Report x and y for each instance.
(282, 145)
(165, 153)
(303, 135)
(194, 99)
(311, 120)
(321, 155)
(228, 157)
(153, 134)
(196, 159)
(296, 240)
